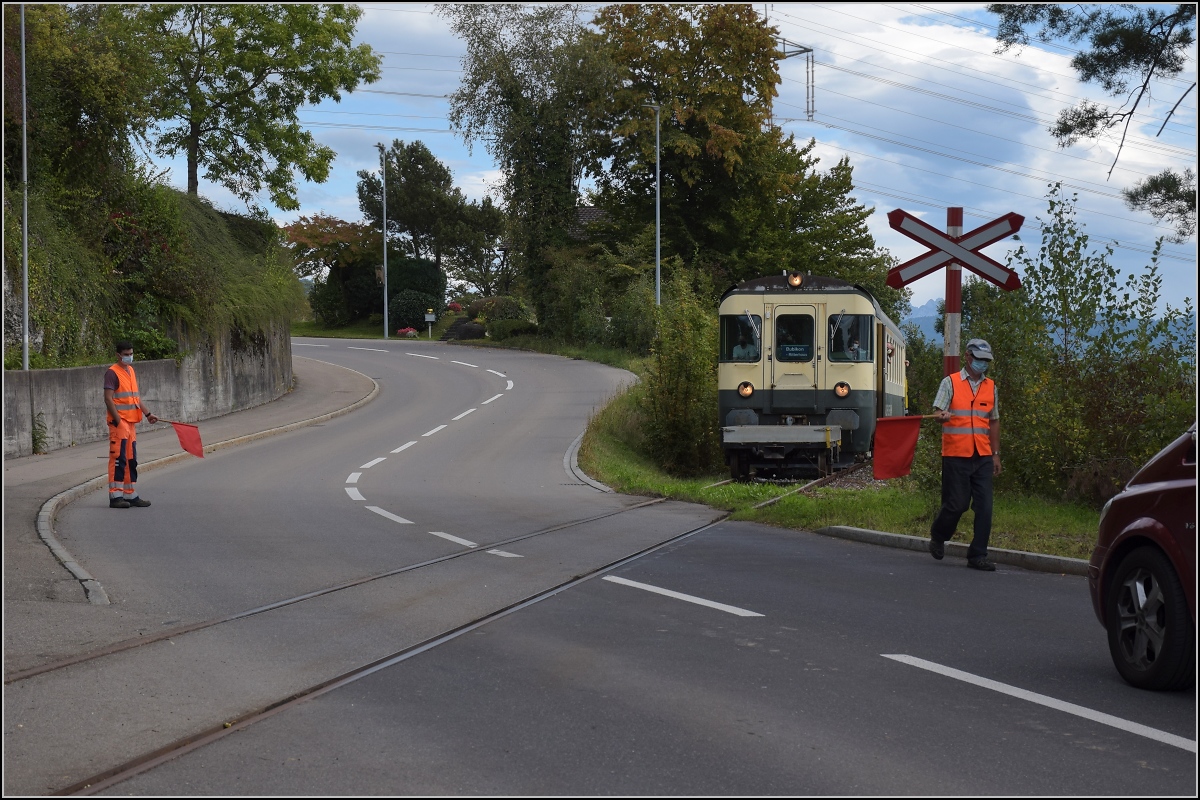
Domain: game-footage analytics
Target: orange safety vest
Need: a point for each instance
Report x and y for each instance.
(126, 398)
(966, 432)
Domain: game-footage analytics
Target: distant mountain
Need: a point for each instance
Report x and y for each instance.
(925, 318)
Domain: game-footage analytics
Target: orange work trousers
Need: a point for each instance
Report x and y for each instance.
(122, 460)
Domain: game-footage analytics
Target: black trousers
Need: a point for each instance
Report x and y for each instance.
(966, 483)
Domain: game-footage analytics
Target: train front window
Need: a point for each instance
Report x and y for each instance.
(850, 337)
(794, 337)
(740, 337)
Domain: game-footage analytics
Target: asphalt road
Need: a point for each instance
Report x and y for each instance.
(817, 666)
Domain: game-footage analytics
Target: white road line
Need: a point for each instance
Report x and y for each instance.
(504, 554)
(435, 430)
(389, 515)
(372, 349)
(418, 355)
(306, 344)
(353, 478)
(403, 447)
(490, 399)
(501, 374)
(465, 364)
(460, 416)
(454, 539)
(1049, 702)
(741, 612)
(373, 462)
(510, 385)
(355, 494)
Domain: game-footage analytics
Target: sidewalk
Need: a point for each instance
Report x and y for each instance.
(47, 612)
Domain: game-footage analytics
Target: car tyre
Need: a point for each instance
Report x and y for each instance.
(1150, 631)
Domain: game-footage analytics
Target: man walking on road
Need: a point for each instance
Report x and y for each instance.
(125, 410)
(966, 406)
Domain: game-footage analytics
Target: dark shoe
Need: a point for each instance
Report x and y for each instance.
(118, 502)
(937, 549)
(981, 563)
(138, 502)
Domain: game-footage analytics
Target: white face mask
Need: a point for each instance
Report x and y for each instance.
(127, 359)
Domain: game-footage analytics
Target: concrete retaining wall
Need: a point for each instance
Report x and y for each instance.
(218, 376)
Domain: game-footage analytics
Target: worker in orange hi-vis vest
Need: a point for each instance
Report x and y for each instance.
(125, 410)
(966, 405)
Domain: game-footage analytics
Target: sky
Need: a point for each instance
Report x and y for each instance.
(914, 94)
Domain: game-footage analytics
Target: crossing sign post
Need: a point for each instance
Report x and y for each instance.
(954, 250)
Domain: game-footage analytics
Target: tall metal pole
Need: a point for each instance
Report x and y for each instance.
(657, 214)
(24, 210)
(383, 156)
(953, 326)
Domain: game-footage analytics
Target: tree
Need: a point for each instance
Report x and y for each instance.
(532, 83)
(1129, 46)
(322, 244)
(424, 207)
(479, 256)
(231, 78)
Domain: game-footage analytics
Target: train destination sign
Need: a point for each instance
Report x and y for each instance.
(963, 250)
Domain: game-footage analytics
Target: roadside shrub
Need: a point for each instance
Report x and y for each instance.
(327, 302)
(681, 383)
(472, 330)
(505, 328)
(408, 308)
(632, 323)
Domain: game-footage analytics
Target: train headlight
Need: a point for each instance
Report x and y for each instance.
(795, 279)
(841, 389)
(745, 388)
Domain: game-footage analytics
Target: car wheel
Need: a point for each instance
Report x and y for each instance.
(1150, 631)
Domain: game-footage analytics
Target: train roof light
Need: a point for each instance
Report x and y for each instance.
(794, 279)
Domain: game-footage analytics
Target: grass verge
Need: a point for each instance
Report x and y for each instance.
(366, 330)
(611, 453)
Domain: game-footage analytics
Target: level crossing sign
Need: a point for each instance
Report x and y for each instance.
(954, 250)
(963, 249)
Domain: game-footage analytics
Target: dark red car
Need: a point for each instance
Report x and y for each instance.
(1142, 574)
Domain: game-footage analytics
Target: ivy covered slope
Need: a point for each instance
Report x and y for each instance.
(146, 269)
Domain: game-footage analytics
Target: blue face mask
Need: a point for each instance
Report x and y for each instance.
(127, 359)
(978, 366)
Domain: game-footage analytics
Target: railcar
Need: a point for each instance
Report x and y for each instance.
(806, 365)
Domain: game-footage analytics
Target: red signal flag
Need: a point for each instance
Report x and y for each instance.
(189, 438)
(895, 446)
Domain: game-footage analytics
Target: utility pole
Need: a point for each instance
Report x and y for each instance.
(657, 205)
(383, 158)
(24, 209)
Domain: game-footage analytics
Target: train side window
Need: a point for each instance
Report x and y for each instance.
(794, 337)
(851, 337)
(739, 337)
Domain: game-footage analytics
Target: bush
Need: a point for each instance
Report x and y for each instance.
(327, 302)
(408, 308)
(506, 328)
(681, 384)
(632, 323)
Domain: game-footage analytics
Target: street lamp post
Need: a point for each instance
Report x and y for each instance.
(383, 157)
(657, 217)
(24, 210)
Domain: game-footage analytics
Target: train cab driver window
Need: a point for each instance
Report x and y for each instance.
(850, 337)
(739, 338)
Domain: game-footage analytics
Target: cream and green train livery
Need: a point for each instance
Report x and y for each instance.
(806, 366)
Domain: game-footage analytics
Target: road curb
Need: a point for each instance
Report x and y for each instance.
(45, 520)
(571, 465)
(1016, 558)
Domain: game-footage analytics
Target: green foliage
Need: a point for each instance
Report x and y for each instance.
(501, 329)
(632, 324)
(38, 433)
(408, 308)
(681, 383)
(1093, 378)
(230, 78)
(328, 302)
(497, 308)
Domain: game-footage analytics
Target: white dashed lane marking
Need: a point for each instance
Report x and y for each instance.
(1049, 702)
(418, 355)
(353, 477)
(454, 539)
(465, 364)
(435, 430)
(355, 494)
(504, 554)
(372, 349)
(501, 374)
(460, 416)
(510, 385)
(389, 515)
(403, 447)
(306, 344)
(490, 399)
(373, 462)
(741, 612)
